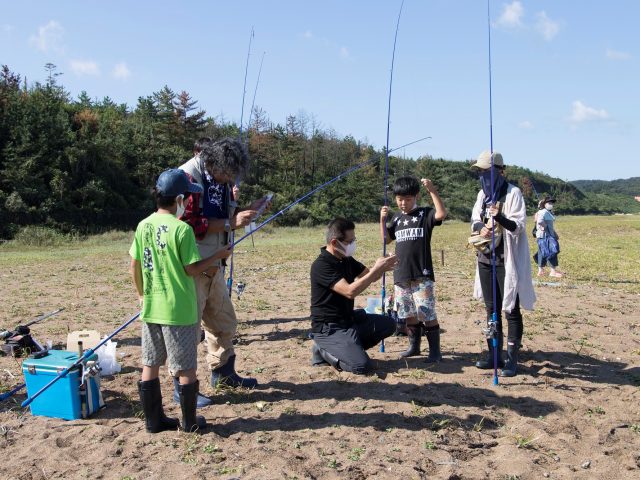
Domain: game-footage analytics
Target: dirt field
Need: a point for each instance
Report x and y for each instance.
(573, 412)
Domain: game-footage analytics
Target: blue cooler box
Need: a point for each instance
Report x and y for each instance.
(64, 398)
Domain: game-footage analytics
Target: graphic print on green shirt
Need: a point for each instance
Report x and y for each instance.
(164, 245)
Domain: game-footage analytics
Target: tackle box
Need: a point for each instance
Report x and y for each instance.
(65, 398)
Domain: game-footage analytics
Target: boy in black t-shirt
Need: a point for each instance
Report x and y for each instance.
(341, 335)
(414, 279)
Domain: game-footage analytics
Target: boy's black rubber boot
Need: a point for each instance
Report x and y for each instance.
(188, 400)
(487, 362)
(433, 337)
(511, 366)
(151, 399)
(203, 401)
(414, 332)
(226, 376)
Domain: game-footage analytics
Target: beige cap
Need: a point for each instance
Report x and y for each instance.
(484, 160)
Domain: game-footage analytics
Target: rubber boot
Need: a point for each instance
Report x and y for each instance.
(511, 366)
(188, 402)
(414, 332)
(203, 401)
(433, 337)
(151, 399)
(487, 362)
(226, 376)
(330, 359)
(316, 358)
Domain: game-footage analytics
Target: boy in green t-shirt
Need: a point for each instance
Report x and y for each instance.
(164, 258)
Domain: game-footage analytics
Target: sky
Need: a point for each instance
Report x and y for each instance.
(564, 79)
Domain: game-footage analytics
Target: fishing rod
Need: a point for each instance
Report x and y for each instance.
(232, 235)
(305, 196)
(386, 164)
(253, 102)
(85, 356)
(494, 316)
(320, 187)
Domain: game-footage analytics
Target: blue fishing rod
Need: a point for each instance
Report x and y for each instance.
(84, 357)
(386, 165)
(232, 234)
(320, 187)
(494, 316)
(305, 196)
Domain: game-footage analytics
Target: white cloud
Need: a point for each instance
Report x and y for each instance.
(525, 125)
(121, 71)
(582, 113)
(49, 37)
(344, 52)
(7, 29)
(546, 27)
(85, 67)
(307, 34)
(511, 16)
(617, 55)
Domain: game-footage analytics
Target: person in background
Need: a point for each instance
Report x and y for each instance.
(545, 226)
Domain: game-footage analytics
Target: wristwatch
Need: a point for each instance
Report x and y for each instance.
(227, 225)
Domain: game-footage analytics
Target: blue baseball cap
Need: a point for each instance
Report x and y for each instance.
(174, 182)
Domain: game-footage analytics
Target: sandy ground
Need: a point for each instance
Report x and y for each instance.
(573, 412)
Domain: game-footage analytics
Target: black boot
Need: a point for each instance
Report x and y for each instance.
(226, 376)
(151, 399)
(511, 366)
(414, 332)
(487, 362)
(316, 358)
(330, 359)
(188, 401)
(203, 401)
(433, 337)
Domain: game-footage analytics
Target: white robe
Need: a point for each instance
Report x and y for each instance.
(517, 261)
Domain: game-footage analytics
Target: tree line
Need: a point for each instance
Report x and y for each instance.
(83, 165)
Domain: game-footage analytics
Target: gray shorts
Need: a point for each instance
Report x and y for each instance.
(176, 344)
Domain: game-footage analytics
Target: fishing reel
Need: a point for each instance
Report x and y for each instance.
(491, 330)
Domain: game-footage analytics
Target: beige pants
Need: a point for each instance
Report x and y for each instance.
(218, 318)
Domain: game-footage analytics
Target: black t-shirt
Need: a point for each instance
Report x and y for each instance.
(328, 306)
(412, 233)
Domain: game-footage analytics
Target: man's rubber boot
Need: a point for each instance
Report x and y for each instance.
(226, 376)
(151, 399)
(414, 332)
(188, 401)
(203, 401)
(433, 337)
(316, 358)
(511, 366)
(487, 362)
(330, 359)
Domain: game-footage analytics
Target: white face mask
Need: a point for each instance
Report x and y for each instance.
(548, 206)
(349, 249)
(180, 206)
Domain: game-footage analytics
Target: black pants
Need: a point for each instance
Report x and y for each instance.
(349, 345)
(514, 317)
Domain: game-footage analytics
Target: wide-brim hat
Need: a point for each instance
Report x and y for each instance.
(484, 160)
(546, 200)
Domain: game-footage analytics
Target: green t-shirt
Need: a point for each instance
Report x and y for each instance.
(164, 245)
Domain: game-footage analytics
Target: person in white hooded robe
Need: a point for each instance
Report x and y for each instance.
(514, 285)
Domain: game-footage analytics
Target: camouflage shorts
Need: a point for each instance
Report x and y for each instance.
(416, 298)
